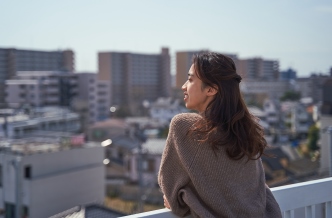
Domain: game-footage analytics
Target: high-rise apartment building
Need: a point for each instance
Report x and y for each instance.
(184, 61)
(13, 60)
(92, 101)
(312, 86)
(135, 78)
(41, 88)
(258, 69)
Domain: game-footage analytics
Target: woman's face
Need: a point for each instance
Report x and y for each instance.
(195, 96)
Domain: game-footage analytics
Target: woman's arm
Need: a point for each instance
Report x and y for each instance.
(173, 177)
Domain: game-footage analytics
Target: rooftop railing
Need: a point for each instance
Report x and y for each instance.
(311, 199)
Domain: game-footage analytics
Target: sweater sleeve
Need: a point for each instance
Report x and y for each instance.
(272, 206)
(173, 177)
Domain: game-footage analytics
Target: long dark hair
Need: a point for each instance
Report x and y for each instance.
(227, 121)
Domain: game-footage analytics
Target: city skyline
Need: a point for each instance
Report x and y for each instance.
(295, 33)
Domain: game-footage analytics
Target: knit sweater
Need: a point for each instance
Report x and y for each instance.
(197, 181)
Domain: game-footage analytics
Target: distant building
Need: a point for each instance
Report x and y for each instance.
(164, 109)
(296, 118)
(151, 158)
(56, 119)
(92, 101)
(288, 75)
(258, 69)
(312, 86)
(184, 60)
(13, 60)
(135, 77)
(43, 176)
(273, 89)
(108, 129)
(41, 88)
(272, 112)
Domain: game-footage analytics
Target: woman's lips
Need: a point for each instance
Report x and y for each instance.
(185, 97)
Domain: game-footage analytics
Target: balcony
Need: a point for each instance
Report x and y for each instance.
(311, 199)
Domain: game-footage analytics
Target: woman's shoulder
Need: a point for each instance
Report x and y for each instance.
(185, 119)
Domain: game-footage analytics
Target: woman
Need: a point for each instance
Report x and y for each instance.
(211, 164)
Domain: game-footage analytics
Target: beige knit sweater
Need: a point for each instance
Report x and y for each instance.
(196, 181)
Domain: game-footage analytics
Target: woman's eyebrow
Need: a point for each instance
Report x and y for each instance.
(190, 74)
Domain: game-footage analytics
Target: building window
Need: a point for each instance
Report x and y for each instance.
(147, 165)
(9, 210)
(25, 211)
(27, 172)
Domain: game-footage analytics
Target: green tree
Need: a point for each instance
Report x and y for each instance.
(313, 137)
(290, 95)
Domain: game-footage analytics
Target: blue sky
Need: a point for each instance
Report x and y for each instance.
(298, 33)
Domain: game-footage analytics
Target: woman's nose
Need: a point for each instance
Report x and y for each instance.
(184, 86)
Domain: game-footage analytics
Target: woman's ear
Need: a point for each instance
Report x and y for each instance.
(212, 91)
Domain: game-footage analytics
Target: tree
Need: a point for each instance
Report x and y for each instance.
(291, 95)
(313, 137)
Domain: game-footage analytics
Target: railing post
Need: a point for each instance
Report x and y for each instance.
(289, 214)
(310, 211)
(329, 144)
(328, 209)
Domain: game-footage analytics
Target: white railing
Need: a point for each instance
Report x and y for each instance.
(311, 199)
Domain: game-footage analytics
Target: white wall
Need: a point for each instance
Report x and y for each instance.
(54, 194)
(59, 180)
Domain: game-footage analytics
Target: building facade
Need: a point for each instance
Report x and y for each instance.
(93, 99)
(41, 88)
(13, 60)
(273, 89)
(39, 178)
(54, 119)
(312, 86)
(258, 69)
(135, 77)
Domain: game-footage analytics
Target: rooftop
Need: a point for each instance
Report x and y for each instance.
(45, 142)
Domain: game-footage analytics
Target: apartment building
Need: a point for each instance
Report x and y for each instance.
(258, 69)
(41, 177)
(54, 119)
(13, 60)
(273, 89)
(135, 77)
(312, 86)
(184, 60)
(41, 88)
(93, 99)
